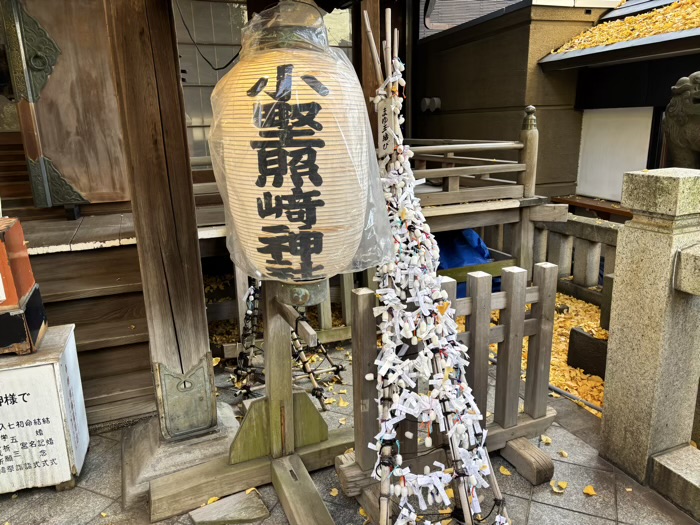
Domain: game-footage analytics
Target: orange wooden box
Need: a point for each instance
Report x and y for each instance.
(17, 278)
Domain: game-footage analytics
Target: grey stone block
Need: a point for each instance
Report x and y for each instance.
(676, 475)
(669, 191)
(639, 505)
(237, 508)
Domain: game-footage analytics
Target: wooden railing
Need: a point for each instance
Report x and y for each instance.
(515, 323)
(577, 248)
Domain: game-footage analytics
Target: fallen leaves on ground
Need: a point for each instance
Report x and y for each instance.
(342, 403)
(503, 470)
(342, 421)
(210, 501)
(564, 453)
(678, 16)
(589, 491)
(546, 440)
(334, 492)
(559, 487)
(215, 361)
(574, 380)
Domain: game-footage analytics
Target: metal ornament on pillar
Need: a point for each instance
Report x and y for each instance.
(289, 145)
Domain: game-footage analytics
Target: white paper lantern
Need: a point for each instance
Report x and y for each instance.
(290, 128)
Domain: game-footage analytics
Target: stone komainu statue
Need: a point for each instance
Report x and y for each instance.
(682, 124)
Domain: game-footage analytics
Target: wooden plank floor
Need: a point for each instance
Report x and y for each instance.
(104, 231)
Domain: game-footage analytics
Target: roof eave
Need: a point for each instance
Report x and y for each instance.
(649, 48)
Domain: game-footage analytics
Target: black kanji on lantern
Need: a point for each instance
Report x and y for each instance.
(287, 145)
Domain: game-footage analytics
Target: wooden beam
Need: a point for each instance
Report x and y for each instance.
(468, 170)
(190, 488)
(142, 36)
(472, 195)
(298, 495)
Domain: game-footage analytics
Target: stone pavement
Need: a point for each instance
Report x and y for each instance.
(96, 499)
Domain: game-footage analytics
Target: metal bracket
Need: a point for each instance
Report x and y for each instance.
(188, 406)
(32, 52)
(303, 294)
(49, 188)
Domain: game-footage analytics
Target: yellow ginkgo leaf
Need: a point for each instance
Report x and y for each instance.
(342, 403)
(251, 489)
(503, 470)
(342, 420)
(363, 513)
(564, 453)
(627, 489)
(546, 439)
(334, 492)
(343, 391)
(556, 488)
(212, 500)
(104, 514)
(450, 493)
(445, 511)
(330, 401)
(350, 450)
(563, 485)
(589, 491)
(215, 361)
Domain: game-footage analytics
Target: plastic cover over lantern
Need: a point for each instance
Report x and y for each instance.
(293, 154)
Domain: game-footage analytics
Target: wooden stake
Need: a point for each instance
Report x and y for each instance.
(373, 47)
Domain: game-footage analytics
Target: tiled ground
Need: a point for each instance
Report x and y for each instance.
(96, 499)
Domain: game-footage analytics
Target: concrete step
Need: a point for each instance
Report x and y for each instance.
(676, 475)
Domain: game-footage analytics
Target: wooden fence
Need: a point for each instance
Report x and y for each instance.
(577, 247)
(515, 323)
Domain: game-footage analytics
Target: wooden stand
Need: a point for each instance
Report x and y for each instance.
(282, 436)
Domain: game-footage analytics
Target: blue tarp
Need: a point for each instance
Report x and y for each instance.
(460, 249)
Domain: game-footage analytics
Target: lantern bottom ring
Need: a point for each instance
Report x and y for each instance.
(303, 294)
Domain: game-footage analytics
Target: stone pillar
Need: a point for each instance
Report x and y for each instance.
(653, 360)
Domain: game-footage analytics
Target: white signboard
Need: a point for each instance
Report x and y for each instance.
(43, 428)
(613, 141)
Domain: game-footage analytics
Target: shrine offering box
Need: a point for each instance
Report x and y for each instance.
(22, 315)
(43, 426)
(16, 276)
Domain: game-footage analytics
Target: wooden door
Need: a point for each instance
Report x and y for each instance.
(64, 82)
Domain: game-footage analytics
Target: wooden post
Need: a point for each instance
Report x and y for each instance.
(529, 136)
(539, 249)
(241, 289)
(364, 352)
(142, 36)
(369, 76)
(514, 283)
(524, 231)
(540, 345)
(479, 285)
(559, 252)
(347, 283)
(325, 313)
(586, 262)
(450, 286)
(278, 379)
